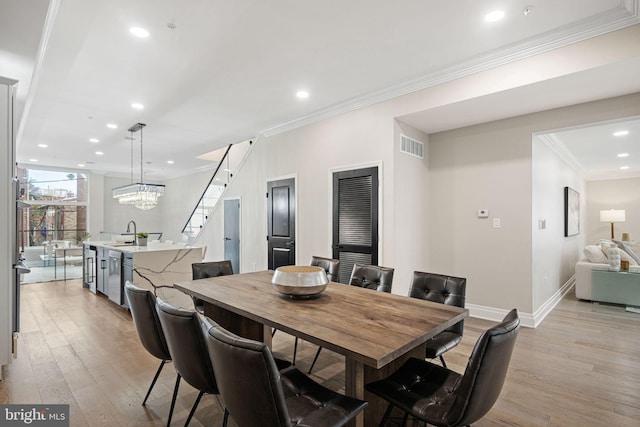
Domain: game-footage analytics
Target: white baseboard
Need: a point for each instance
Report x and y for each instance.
(528, 320)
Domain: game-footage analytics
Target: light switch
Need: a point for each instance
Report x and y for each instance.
(496, 222)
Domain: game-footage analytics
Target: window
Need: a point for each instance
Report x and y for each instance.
(54, 206)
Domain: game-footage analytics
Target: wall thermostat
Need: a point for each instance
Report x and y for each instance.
(483, 213)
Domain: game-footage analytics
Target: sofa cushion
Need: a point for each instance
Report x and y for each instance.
(595, 254)
(624, 256)
(628, 249)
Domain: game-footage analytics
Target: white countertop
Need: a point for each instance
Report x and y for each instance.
(151, 247)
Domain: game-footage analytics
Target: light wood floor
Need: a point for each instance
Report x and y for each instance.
(581, 367)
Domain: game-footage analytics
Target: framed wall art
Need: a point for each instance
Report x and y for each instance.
(571, 212)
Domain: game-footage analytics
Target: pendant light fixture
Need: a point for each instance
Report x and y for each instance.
(142, 195)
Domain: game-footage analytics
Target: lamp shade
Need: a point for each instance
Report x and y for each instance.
(612, 215)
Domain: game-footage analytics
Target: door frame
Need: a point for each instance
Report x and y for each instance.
(293, 176)
(346, 168)
(239, 199)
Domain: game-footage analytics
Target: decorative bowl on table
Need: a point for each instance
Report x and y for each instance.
(299, 280)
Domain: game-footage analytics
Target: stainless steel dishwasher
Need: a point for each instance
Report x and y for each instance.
(115, 277)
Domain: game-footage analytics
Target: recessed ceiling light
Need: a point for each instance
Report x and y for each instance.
(302, 94)
(81, 165)
(623, 155)
(170, 162)
(624, 167)
(621, 133)
(139, 32)
(94, 140)
(137, 105)
(112, 126)
(99, 153)
(494, 16)
(42, 145)
(33, 160)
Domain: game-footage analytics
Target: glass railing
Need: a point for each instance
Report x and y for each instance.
(231, 159)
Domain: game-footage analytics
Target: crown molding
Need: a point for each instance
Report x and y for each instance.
(560, 150)
(625, 15)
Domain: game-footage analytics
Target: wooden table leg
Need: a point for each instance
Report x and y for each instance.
(357, 375)
(354, 386)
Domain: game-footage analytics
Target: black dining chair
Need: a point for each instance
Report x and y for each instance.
(443, 289)
(257, 394)
(372, 277)
(142, 304)
(203, 270)
(368, 277)
(441, 397)
(187, 345)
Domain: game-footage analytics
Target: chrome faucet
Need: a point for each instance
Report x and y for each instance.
(135, 233)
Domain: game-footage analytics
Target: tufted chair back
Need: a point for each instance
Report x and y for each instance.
(203, 270)
(257, 394)
(142, 304)
(372, 277)
(249, 379)
(486, 371)
(187, 346)
(442, 397)
(331, 266)
(440, 288)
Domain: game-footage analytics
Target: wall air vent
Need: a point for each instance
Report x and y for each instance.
(411, 147)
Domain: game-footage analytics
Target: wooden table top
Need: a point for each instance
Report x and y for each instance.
(372, 327)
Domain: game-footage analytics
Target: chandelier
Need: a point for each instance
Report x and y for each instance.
(142, 195)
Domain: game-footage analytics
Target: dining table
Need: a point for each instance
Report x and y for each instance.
(376, 332)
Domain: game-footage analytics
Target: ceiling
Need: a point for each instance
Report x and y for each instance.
(216, 72)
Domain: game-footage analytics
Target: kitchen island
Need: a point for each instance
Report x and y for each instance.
(157, 266)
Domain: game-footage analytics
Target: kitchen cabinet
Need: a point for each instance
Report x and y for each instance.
(155, 267)
(127, 274)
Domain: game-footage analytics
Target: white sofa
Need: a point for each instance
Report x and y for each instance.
(596, 258)
(583, 277)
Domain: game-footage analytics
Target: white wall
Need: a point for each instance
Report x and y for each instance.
(96, 202)
(554, 256)
(613, 194)
(485, 166)
(117, 216)
(309, 153)
(411, 209)
(492, 166)
(180, 197)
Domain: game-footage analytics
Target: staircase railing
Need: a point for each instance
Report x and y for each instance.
(230, 160)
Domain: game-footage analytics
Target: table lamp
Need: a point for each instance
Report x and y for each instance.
(612, 215)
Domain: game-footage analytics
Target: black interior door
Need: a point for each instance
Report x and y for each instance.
(355, 219)
(281, 217)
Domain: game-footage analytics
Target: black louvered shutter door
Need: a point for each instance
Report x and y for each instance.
(355, 219)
